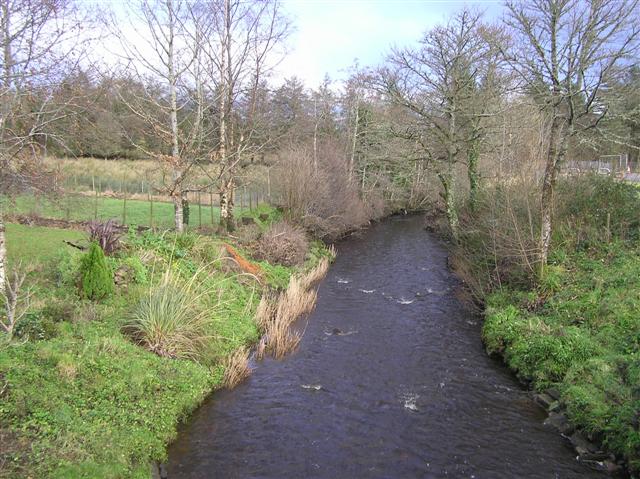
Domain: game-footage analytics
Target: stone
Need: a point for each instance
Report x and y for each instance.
(612, 467)
(543, 399)
(247, 220)
(581, 444)
(560, 422)
(555, 406)
(596, 456)
(263, 217)
(596, 465)
(554, 393)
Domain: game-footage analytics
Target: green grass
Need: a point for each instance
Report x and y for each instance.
(81, 398)
(85, 208)
(35, 244)
(580, 332)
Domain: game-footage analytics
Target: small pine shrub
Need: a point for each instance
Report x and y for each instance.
(97, 279)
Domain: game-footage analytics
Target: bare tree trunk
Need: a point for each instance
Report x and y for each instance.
(175, 148)
(178, 212)
(555, 155)
(3, 256)
(226, 206)
(448, 181)
(354, 143)
(472, 172)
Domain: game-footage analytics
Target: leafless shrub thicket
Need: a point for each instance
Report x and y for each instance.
(283, 243)
(500, 240)
(317, 194)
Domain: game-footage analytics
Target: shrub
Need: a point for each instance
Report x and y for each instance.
(319, 195)
(66, 268)
(593, 209)
(106, 235)
(137, 269)
(35, 327)
(97, 279)
(171, 320)
(283, 244)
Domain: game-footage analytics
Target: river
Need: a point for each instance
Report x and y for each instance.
(390, 381)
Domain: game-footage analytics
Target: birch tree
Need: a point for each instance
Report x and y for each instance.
(566, 53)
(239, 50)
(40, 40)
(161, 54)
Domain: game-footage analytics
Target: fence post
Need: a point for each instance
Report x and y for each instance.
(211, 201)
(199, 209)
(124, 209)
(150, 208)
(95, 205)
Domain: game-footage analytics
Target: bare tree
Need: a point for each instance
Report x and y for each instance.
(240, 47)
(434, 83)
(162, 55)
(40, 41)
(566, 52)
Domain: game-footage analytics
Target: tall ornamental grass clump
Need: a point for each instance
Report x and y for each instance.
(96, 276)
(171, 320)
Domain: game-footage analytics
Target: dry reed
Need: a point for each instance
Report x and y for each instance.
(236, 368)
(276, 315)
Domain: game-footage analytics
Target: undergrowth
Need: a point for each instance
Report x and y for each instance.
(81, 396)
(578, 329)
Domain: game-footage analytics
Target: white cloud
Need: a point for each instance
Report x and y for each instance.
(331, 34)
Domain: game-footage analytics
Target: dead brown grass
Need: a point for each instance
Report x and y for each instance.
(236, 368)
(275, 315)
(314, 276)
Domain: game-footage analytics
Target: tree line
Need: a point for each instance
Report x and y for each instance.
(475, 102)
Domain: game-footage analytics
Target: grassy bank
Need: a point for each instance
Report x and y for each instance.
(84, 397)
(580, 333)
(578, 329)
(86, 208)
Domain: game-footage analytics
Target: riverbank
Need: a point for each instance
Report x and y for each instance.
(390, 380)
(579, 334)
(83, 396)
(575, 334)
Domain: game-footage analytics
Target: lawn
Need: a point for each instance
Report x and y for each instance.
(35, 244)
(85, 208)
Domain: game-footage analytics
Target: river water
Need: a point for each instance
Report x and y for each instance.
(390, 381)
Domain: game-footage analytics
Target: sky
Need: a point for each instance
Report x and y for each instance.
(329, 35)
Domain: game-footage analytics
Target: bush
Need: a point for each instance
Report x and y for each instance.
(593, 209)
(283, 244)
(66, 268)
(97, 279)
(35, 327)
(106, 235)
(321, 198)
(171, 320)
